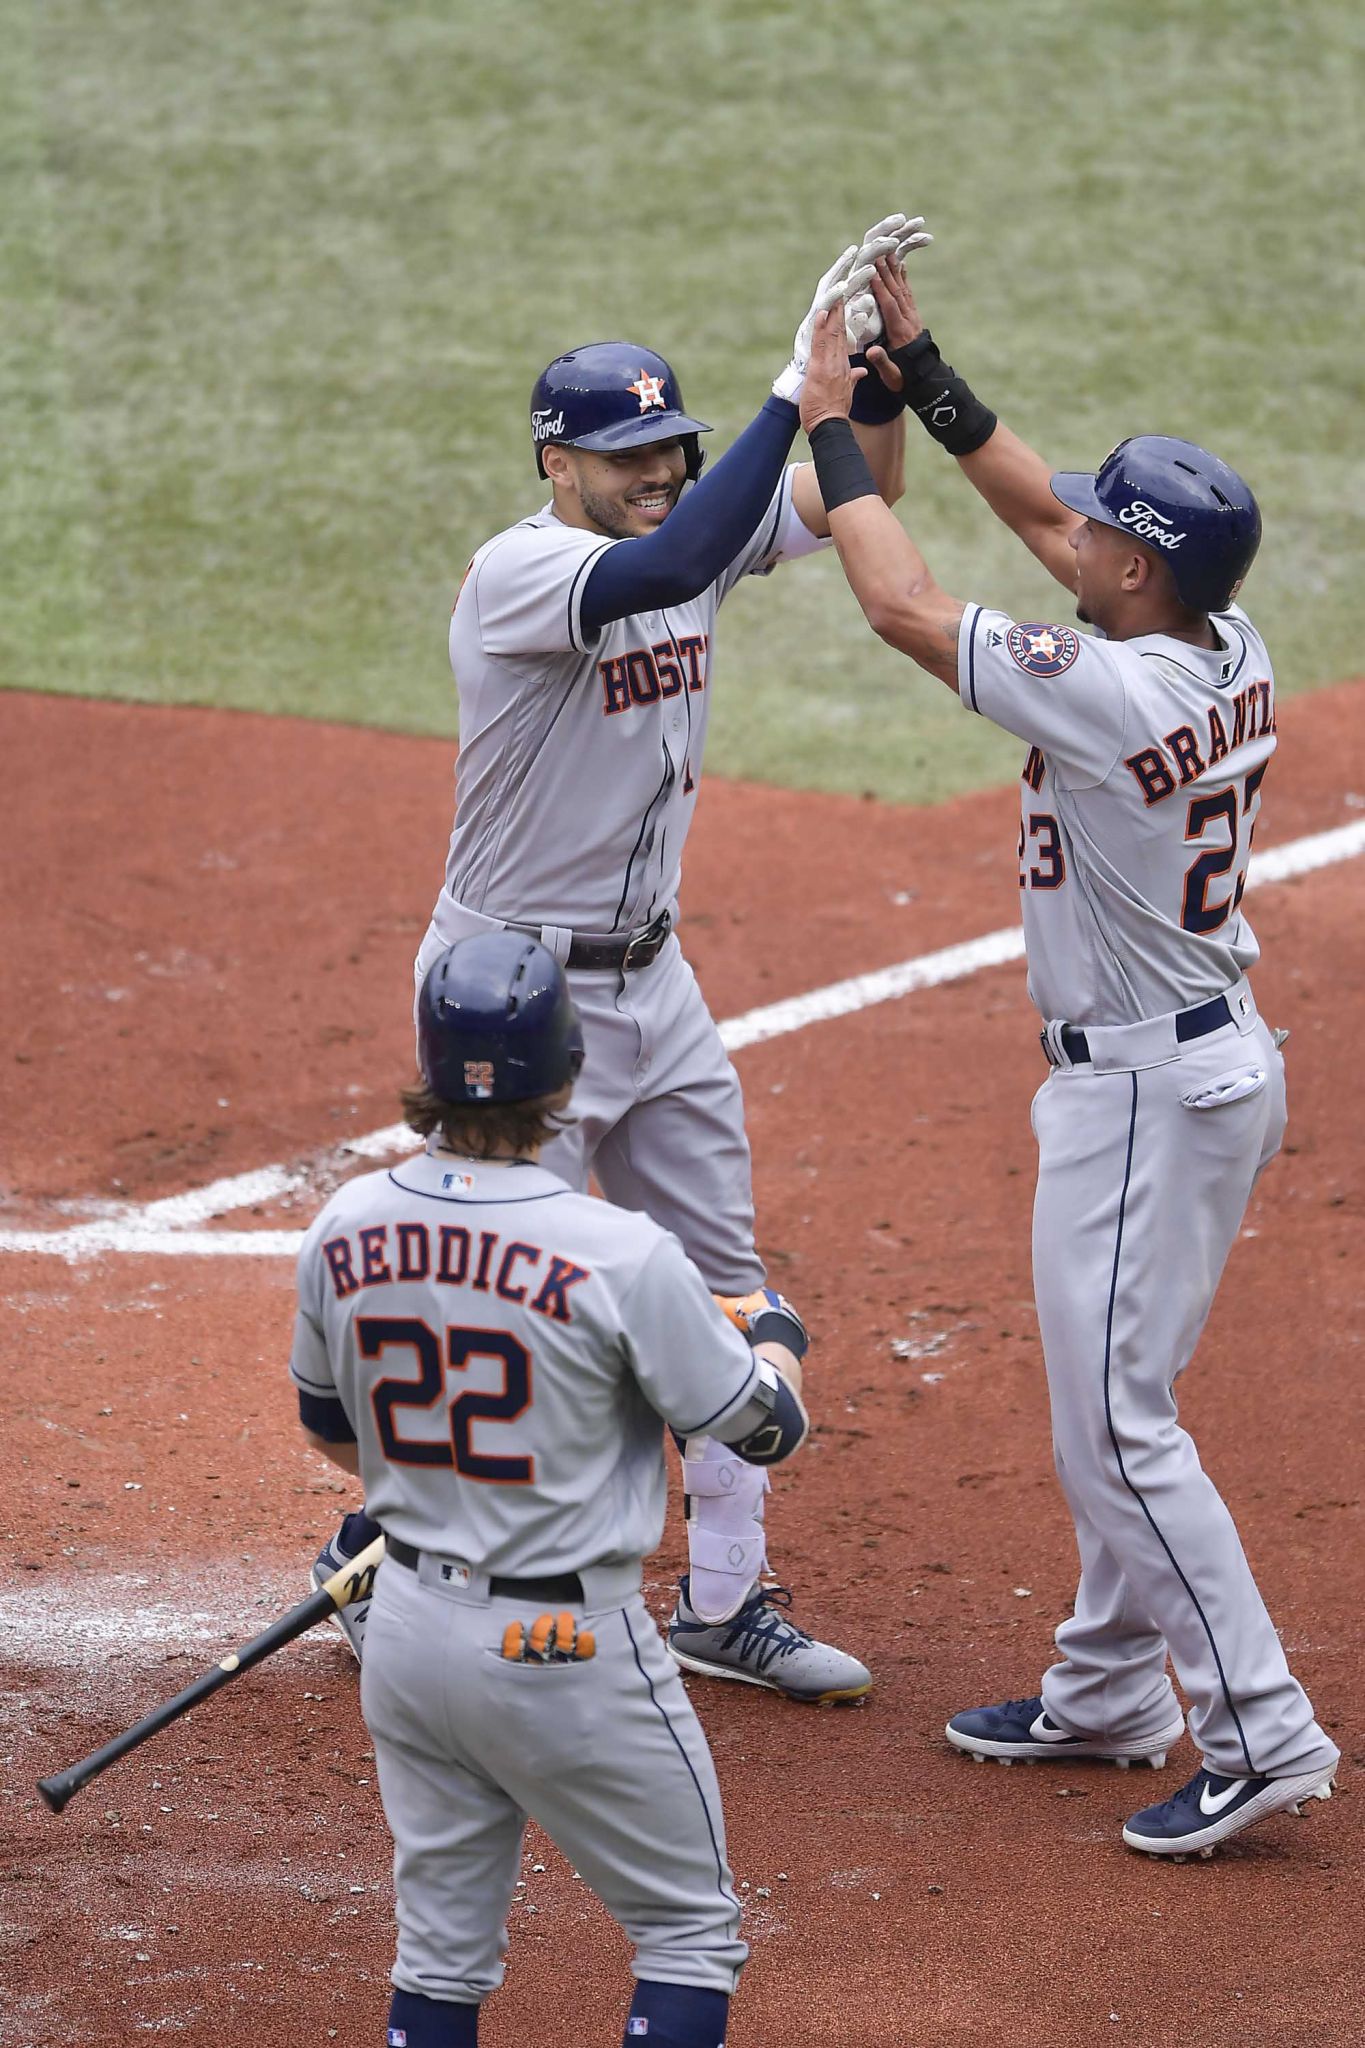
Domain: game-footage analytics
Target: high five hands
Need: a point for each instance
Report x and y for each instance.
(899, 319)
(865, 284)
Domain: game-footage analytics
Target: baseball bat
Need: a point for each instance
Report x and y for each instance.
(354, 1581)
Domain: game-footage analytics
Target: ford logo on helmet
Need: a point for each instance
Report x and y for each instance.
(1146, 523)
(546, 424)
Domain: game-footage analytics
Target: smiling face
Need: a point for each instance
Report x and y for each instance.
(624, 495)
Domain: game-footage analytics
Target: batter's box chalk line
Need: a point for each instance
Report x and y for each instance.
(173, 1226)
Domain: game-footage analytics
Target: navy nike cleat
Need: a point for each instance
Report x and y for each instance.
(1023, 1729)
(1209, 1809)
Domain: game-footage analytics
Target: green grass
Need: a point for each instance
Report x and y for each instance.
(276, 281)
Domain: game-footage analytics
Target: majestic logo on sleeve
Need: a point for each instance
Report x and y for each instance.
(1043, 650)
(1144, 522)
(650, 392)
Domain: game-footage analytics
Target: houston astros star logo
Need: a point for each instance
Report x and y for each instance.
(1043, 650)
(650, 392)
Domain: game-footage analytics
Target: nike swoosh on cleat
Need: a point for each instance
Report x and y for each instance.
(1040, 1733)
(1211, 1802)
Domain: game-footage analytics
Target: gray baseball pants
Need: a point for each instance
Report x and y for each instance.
(1140, 1196)
(606, 1755)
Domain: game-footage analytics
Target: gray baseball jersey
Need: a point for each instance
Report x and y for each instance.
(1140, 797)
(576, 784)
(504, 1348)
(579, 758)
(1140, 794)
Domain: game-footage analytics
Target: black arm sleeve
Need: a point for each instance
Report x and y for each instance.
(707, 528)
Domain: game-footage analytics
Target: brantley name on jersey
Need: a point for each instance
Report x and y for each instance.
(1173, 764)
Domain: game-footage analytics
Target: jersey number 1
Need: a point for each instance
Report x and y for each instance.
(377, 1334)
(1197, 914)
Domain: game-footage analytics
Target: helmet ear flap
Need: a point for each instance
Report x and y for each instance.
(694, 456)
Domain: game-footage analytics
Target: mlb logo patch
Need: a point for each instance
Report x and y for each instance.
(453, 1574)
(637, 2026)
(398, 2037)
(463, 1181)
(1043, 650)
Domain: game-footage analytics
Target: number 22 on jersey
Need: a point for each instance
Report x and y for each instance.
(376, 1335)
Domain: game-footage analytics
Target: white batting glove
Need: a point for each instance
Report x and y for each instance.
(844, 277)
(895, 237)
(883, 237)
(862, 322)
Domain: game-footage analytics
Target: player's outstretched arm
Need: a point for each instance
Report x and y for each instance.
(886, 571)
(716, 519)
(1011, 477)
(883, 443)
(710, 525)
(1015, 482)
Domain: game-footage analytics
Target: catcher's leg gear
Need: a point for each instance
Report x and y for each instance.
(725, 1541)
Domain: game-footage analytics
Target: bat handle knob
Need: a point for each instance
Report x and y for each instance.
(56, 1791)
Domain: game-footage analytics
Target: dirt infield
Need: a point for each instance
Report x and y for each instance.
(210, 921)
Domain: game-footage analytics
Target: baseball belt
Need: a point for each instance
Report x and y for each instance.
(560, 1586)
(622, 952)
(1195, 1023)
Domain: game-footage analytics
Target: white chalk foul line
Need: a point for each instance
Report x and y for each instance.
(166, 1227)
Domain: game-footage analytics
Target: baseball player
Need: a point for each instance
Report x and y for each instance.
(582, 646)
(496, 1354)
(1148, 750)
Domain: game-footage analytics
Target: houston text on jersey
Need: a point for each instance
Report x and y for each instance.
(643, 675)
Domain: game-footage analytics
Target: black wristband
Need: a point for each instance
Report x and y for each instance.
(873, 405)
(840, 466)
(944, 403)
(780, 1326)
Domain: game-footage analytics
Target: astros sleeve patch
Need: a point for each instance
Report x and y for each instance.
(1042, 650)
(1060, 690)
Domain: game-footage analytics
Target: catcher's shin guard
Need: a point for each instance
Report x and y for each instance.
(725, 1542)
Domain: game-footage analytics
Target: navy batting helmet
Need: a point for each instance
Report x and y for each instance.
(495, 1022)
(1197, 514)
(611, 395)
